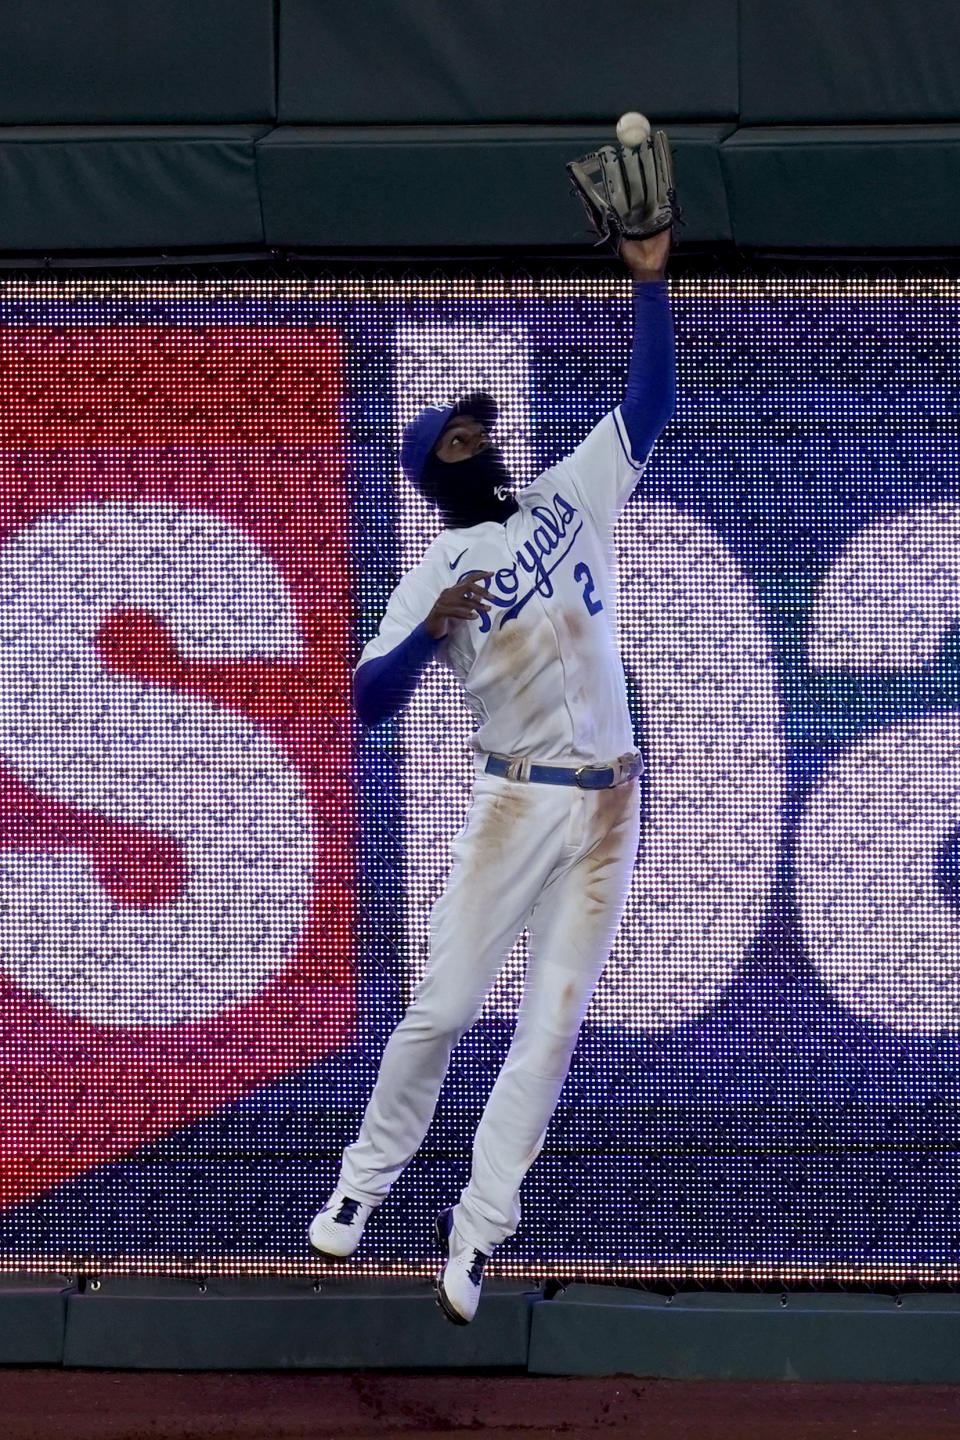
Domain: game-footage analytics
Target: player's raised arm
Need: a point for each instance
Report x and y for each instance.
(605, 467)
(628, 193)
(651, 392)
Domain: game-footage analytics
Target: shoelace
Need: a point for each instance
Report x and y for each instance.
(347, 1212)
(475, 1273)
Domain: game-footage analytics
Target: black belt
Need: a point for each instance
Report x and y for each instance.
(587, 777)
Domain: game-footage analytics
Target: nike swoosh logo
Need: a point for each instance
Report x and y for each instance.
(455, 563)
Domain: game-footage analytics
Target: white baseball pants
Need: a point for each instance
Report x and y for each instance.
(557, 860)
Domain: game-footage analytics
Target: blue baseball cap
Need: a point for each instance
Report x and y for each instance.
(425, 429)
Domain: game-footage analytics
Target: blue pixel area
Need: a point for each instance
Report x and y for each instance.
(777, 1131)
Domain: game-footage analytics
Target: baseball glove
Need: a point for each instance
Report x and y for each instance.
(627, 191)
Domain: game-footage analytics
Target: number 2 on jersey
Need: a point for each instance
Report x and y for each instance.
(582, 572)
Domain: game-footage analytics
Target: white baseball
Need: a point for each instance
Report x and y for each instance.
(633, 128)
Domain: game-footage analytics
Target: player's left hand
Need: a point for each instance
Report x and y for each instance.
(647, 259)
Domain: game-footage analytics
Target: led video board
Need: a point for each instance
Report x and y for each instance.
(214, 887)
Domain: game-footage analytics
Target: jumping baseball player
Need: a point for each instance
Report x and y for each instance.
(516, 596)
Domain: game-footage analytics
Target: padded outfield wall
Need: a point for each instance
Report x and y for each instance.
(214, 888)
(244, 126)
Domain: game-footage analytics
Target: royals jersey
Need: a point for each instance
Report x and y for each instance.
(541, 669)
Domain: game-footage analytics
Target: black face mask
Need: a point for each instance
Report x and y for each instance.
(467, 492)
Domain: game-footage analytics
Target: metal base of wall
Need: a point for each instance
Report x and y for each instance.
(156, 1323)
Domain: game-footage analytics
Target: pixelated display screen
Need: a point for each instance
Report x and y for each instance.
(214, 887)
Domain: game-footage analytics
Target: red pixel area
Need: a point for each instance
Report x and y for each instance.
(243, 423)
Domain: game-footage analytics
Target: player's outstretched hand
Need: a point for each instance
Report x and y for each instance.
(463, 601)
(647, 259)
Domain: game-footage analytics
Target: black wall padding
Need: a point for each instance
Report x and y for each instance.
(242, 1323)
(606, 1330)
(463, 186)
(87, 62)
(533, 61)
(817, 62)
(115, 188)
(818, 187)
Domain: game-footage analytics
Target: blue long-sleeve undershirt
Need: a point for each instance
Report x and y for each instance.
(651, 395)
(381, 687)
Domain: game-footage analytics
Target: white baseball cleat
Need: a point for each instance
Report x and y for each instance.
(459, 1281)
(336, 1230)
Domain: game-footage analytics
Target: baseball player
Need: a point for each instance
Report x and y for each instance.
(517, 596)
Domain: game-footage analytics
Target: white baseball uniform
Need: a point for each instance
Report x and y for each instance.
(542, 672)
